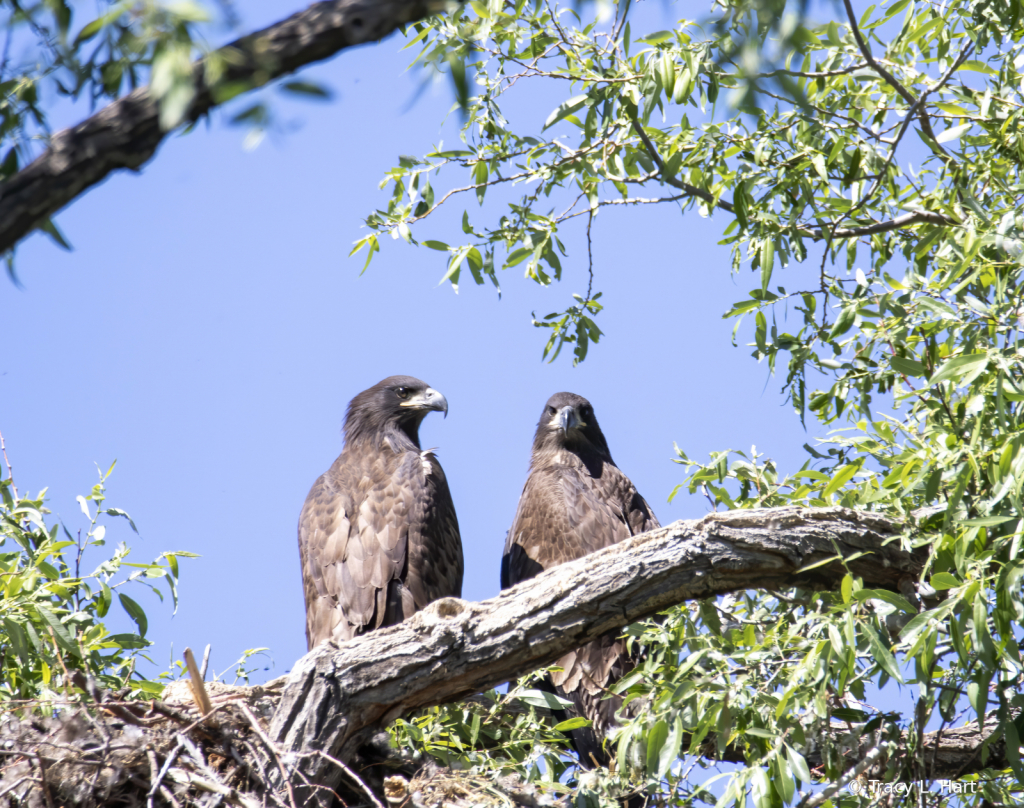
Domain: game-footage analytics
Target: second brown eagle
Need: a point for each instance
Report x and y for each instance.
(576, 501)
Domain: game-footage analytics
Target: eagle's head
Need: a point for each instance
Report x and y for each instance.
(568, 422)
(395, 407)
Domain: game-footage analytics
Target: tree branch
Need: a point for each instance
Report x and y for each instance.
(336, 694)
(813, 232)
(126, 133)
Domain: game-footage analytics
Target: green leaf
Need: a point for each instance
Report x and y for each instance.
(760, 788)
(103, 600)
(135, 612)
(541, 698)
(882, 655)
(942, 581)
(798, 764)
(979, 67)
(60, 631)
(657, 37)
(655, 742)
(844, 321)
(54, 233)
(565, 108)
(573, 723)
(307, 88)
(908, 367)
(767, 263)
(959, 366)
(840, 478)
(891, 598)
(953, 133)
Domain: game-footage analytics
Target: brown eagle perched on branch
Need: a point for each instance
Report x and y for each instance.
(378, 535)
(576, 501)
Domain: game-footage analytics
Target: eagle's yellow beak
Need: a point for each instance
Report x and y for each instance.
(429, 399)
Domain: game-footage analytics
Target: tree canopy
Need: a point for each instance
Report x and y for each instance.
(876, 158)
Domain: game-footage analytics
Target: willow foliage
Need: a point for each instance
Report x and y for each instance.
(884, 149)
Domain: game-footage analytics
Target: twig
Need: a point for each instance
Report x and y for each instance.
(691, 190)
(352, 775)
(915, 103)
(809, 74)
(206, 662)
(813, 800)
(232, 795)
(258, 730)
(14, 785)
(161, 772)
(590, 256)
(204, 718)
(44, 786)
(10, 472)
(154, 774)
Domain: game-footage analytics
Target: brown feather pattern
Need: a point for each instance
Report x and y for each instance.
(378, 534)
(576, 501)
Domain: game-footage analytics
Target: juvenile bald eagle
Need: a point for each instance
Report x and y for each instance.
(378, 535)
(576, 501)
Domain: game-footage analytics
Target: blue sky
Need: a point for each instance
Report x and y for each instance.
(208, 331)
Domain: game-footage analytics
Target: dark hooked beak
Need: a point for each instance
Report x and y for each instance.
(429, 399)
(567, 419)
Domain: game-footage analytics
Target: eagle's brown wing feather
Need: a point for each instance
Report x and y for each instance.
(379, 540)
(565, 513)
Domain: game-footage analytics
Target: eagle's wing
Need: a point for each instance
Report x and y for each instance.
(565, 514)
(379, 540)
(435, 565)
(541, 535)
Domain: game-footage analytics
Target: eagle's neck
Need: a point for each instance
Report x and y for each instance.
(589, 462)
(397, 437)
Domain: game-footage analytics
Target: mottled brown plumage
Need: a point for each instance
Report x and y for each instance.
(378, 535)
(576, 501)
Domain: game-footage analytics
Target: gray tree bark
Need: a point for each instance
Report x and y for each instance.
(338, 696)
(126, 133)
(335, 695)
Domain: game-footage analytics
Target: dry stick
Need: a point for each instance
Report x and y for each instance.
(206, 662)
(213, 783)
(161, 772)
(42, 782)
(154, 770)
(232, 795)
(196, 683)
(14, 785)
(355, 777)
(258, 730)
(203, 718)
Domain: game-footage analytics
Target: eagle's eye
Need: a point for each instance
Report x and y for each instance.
(403, 393)
(551, 410)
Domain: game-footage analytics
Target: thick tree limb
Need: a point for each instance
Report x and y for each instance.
(126, 133)
(338, 695)
(454, 649)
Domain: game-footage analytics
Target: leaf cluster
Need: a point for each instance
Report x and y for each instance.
(886, 149)
(55, 598)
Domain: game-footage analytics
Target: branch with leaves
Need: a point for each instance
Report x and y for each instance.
(126, 133)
